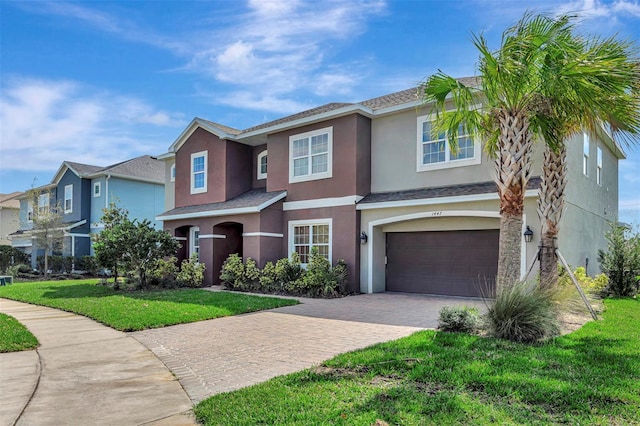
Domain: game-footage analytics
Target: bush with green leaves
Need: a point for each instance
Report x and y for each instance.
(459, 319)
(89, 265)
(523, 313)
(163, 273)
(286, 276)
(191, 272)
(10, 256)
(621, 261)
(595, 285)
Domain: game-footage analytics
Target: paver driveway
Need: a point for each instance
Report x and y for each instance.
(229, 353)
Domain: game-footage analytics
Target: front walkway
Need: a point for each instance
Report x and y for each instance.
(85, 373)
(226, 354)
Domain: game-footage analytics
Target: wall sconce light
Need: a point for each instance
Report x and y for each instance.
(528, 235)
(363, 238)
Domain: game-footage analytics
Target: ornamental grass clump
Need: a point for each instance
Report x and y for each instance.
(523, 313)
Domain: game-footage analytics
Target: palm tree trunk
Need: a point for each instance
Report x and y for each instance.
(550, 205)
(513, 168)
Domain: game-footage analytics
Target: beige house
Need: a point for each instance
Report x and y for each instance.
(9, 216)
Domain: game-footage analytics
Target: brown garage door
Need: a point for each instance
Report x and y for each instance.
(455, 263)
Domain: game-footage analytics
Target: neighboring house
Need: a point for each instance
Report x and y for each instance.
(9, 216)
(81, 191)
(365, 182)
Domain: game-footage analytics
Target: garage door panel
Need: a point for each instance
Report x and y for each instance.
(459, 263)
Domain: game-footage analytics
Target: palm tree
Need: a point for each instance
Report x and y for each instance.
(589, 83)
(504, 111)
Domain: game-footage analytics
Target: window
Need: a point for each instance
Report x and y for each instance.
(262, 165)
(68, 199)
(43, 203)
(29, 212)
(303, 235)
(435, 152)
(199, 172)
(585, 155)
(194, 241)
(97, 189)
(311, 155)
(173, 173)
(599, 166)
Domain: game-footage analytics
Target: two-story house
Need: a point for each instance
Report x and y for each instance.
(9, 216)
(367, 183)
(79, 192)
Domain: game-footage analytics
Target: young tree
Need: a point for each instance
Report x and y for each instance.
(47, 230)
(108, 244)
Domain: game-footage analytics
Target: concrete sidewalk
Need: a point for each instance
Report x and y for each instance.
(85, 373)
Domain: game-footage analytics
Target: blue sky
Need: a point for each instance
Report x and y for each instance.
(99, 82)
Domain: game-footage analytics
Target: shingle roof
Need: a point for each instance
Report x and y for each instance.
(143, 167)
(250, 199)
(83, 169)
(226, 129)
(10, 200)
(440, 191)
(304, 114)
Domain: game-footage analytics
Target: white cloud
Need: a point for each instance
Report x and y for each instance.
(252, 100)
(45, 122)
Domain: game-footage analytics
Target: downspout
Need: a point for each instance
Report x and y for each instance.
(106, 191)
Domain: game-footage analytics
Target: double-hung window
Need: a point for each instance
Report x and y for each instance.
(599, 166)
(97, 189)
(435, 150)
(304, 235)
(29, 211)
(311, 155)
(43, 203)
(585, 154)
(68, 199)
(262, 165)
(172, 175)
(199, 172)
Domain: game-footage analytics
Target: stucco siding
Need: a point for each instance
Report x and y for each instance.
(169, 186)
(9, 222)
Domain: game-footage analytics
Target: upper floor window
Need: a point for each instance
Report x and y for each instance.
(172, 175)
(43, 203)
(68, 199)
(29, 212)
(262, 165)
(311, 155)
(599, 166)
(199, 172)
(585, 154)
(434, 151)
(97, 189)
(304, 235)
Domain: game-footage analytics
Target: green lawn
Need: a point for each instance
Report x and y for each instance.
(138, 310)
(15, 336)
(591, 376)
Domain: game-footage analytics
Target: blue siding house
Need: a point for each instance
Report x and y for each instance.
(81, 192)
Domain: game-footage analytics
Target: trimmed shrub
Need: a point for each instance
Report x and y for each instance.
(191, 272)
(232, 273)
(459, 319)
(522, 313)
(164, 272)
(89, 265)
(11, 256)
(594, 285)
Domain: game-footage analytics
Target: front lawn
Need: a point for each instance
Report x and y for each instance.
(591, 376)
(14, 336)
(138, 310)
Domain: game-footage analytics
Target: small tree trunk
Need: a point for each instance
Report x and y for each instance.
(46, 265)
(550, 205)
(510, 250)
(548, 262)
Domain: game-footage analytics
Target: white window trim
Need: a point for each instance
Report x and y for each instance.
(447, 164)
(192, 246)
(172, 172)
(70, 209)
(206, 167)
(99, 186)
(316, 176)
(259, 173)
(294, 223)
(586, 148)
(599, 165)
